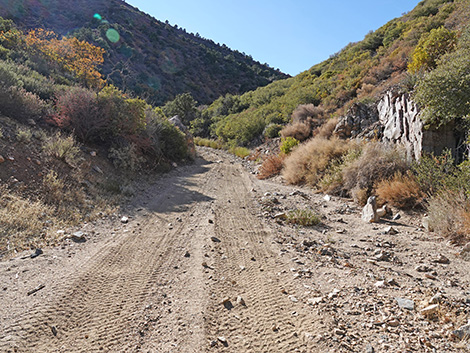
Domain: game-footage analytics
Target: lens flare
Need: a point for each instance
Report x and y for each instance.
(113, 35)
(97, 16)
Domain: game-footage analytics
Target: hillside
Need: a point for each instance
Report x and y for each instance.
(151, 58)
(360, 72)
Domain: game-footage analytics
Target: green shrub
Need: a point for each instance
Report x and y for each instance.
(174, 142)
(304, 218)
(126, 116)
(287, 144)
(430, 48)
(433, 173)
(21, 105)
(241, 152)
(272, 130)
(63, 148)
(126, 158)
(24, 135)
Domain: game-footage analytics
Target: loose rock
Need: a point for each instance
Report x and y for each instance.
(405, 303)
(462, 332)
(223, 340)
(430, 310)
(369, 212)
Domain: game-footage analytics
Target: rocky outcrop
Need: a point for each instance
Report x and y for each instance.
(361, 120)
(399, 116)
(395, 118)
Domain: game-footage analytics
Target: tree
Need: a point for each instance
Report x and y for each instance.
(184, 106)
(445, 92)
(430, 48)
(70, 54)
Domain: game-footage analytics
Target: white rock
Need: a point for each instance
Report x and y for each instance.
(369, 212)
(241, 301)
(390, 230)
(430, 310)
(381, 212)
(293, 298)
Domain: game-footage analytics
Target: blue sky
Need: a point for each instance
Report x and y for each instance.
(291, 35)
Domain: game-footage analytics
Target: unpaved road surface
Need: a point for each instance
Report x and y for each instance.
(202, 266)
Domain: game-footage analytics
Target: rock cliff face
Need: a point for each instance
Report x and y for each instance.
(396, 119)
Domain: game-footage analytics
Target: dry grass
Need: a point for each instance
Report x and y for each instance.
(401, 191)
(360, 195)
(271, 166)
(300, 131)
(199, 141)
(307, 112)
(26, 223)
(326, 130)
(62, 147)
(377, 162)
(22, 221)
(305, 118)
(449, 215)
(308, 162)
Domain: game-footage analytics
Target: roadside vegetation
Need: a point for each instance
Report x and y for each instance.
(69, 142)
(425, 53)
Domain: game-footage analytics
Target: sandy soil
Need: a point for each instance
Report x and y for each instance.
(203, 265)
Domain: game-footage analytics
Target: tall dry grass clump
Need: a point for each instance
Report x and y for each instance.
(305, 118)
(308, 162)
(271, 166)
(21, 221)
(449, 215)
(326, 130)
(377, 162)
(299, 131)
(402, 191)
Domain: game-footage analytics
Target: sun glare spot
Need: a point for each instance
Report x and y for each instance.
(113, 35)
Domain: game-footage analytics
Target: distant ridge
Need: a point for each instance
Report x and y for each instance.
(150, 58)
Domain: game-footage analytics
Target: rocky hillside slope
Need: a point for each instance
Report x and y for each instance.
(398, 55)
(145, 55)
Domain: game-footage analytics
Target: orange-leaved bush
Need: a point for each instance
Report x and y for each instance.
(75, 56)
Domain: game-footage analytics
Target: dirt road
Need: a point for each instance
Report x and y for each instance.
(158, 283)
(199, 269)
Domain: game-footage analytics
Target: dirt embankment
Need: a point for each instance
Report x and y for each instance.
(203, 266)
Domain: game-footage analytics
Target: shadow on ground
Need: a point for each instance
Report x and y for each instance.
(175, 191)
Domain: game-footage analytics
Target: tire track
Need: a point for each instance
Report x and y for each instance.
(98, 308)
(266, 326)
